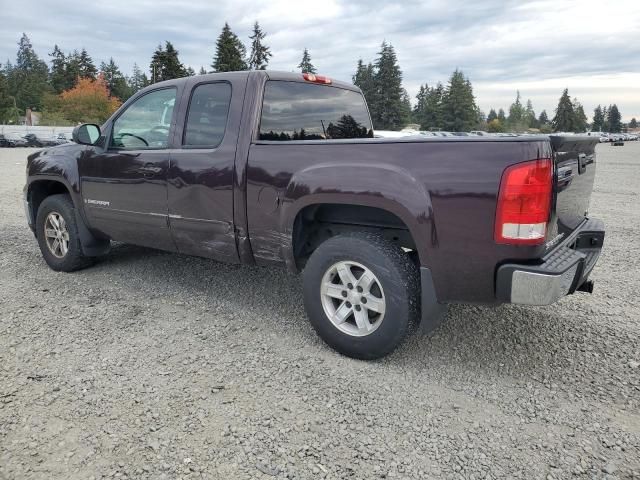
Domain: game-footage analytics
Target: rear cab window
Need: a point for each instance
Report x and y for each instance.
(207, 115)
(305, 111)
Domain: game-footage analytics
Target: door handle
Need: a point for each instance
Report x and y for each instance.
(149, 170)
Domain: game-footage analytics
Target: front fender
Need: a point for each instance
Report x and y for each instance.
(59, 164)
(384, 186)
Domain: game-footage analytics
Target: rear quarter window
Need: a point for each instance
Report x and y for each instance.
(301, 111)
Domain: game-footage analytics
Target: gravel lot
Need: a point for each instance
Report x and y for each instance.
(152, 365)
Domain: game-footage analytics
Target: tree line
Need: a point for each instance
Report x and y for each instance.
(74, 89)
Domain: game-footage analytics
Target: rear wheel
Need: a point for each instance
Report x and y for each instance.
(361, 294)
(57, 234)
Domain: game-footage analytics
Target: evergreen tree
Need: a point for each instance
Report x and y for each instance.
(428, 109)
(138, 80)
(202, 71)
(598, 119)
(543, 119)
(71, 70)
(580, 119)
(492, 116)
(389, 112)
(27, 81)
(501, 116)
(260, 53)
(190, 72)
(564, 119)
(86, 68)
(406, 107)
(459, 108)
(605, 115)
(633, 123)
(57, 76)
(306, 66)
(8, 111)
(614, 119)
(230, 52)
(165, 64)
(117, 85)
(516, 115)
(365, 79)
(530, 116)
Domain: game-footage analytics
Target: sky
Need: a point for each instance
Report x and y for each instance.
(537, 47)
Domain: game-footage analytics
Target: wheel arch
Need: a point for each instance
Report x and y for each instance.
(42, 187)
(400, 199)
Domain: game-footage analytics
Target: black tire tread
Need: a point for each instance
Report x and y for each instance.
(74, 259)
(388, 254)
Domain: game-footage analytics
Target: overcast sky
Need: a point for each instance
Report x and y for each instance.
(539, 47)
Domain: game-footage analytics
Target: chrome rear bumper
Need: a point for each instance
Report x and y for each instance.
(561, 272)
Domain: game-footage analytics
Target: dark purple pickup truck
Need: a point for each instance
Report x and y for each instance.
(280, 168)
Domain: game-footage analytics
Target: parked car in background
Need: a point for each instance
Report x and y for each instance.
(6, 142)
(480, 133)
(16, 139)
(34, 140)
(61, 139)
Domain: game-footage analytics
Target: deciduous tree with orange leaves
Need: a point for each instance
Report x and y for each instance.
(88, 101)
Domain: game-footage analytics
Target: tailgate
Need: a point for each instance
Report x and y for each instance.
(575, 160)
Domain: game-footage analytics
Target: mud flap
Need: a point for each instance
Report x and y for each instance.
(432, 312)
(91, 246)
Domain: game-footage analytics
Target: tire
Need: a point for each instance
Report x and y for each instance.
(58, 258)
(394, 291)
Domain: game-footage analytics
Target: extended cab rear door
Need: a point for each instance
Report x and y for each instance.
(201, 173)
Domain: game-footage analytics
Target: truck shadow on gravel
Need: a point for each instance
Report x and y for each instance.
(503, 340)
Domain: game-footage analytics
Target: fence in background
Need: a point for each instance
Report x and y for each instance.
(39, 130)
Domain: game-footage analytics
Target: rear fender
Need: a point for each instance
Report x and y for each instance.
(387, 187)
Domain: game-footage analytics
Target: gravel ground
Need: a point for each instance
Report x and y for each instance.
(152, 365)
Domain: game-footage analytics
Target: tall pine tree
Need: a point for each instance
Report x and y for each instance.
(459, 107)
(516, 115)
(115, 80)
(138, 79)
(564, 119)
(260, 53)
(165, 64)
(365, 79)
(598, 120)
(305, 64)
(86, 68)
(614, 119)
(428, 109)
(27, 81)
(57, 76)
(580, 119)
(230, 52)
(388, 110)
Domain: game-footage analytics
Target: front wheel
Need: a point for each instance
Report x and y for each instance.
(57, 234)
(361, 294)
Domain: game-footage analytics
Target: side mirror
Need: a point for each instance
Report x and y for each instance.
(86, 134)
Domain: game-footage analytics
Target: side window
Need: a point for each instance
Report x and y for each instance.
(207, 117)
(302, 111)
(145, 123)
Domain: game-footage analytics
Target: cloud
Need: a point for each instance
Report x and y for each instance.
(538, 47)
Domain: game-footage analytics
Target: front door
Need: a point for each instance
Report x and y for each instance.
(124, 185)
(200, 179)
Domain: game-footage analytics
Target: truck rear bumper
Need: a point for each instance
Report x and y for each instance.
(561, 272)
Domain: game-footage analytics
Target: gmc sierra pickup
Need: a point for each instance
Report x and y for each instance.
(282, 168)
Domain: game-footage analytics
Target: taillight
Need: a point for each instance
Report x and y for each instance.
(524, 203)
(312, 77)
